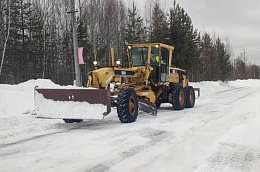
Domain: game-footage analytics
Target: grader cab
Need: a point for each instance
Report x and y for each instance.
(147, 82)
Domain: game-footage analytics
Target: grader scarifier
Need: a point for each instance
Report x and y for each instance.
(149, 81)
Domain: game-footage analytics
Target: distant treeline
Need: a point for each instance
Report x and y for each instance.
(39, 43)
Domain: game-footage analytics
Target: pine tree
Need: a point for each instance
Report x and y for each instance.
(135, 31)
(159, 32)
(240, 68)
(15, 70)
(35, 46)
(215, 59)
(224, 66)
(206, 56)
(185, 39)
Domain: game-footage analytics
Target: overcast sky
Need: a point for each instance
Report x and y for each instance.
(238, 20)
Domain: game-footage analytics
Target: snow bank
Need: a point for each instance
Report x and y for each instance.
(16, 100)
(47, 108)
(245, 83)
(38, 82)
(16, 106)
(220, 137)
(210, 87)
(19, 99)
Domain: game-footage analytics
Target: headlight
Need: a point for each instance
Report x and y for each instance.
(118, 62)
(95, 63)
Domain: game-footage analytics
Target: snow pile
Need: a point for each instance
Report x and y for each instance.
(221, 133)
(37, 82)
(19, 99)
(245, 83)
(209, 87)
(47, 108)
(16, 100)
(16, 105)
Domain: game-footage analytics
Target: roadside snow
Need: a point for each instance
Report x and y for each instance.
(220, 134)
(68, 109)
(16, 105)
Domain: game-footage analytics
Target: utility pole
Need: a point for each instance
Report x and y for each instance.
(75, 43)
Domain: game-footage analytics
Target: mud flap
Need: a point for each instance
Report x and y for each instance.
(147, 107)
(72, 103)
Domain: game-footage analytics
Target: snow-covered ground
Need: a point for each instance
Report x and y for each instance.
(220, 134)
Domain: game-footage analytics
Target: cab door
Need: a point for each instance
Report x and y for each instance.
(164, 67)
(155, 61)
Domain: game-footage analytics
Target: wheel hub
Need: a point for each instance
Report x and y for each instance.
(132, 105)
(181, 98)
(191, 97)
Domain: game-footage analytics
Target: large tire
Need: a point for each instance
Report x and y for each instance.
(190, 97)
(178, 98)
(127, 108)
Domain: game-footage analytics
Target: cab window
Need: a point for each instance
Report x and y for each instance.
(155, 56)
(139, 56)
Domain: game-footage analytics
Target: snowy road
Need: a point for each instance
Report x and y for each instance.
(220, 134)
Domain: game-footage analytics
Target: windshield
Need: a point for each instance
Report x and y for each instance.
(139, 56)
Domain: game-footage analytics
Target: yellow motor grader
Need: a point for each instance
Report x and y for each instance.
(149, 81)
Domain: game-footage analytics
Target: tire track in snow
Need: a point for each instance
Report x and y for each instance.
(156, 137)
(208, 119)
(30, 139)
(232, 89)
(66, 128)
(233, 157)
(96, 124)
(230, 155)
(137, 150)
(214, 116)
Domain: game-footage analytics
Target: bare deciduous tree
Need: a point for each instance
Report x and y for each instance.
(7, 37)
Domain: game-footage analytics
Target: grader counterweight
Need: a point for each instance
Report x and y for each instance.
(149, 81)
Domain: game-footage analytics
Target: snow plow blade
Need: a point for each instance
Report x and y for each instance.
(146, 107)
(72, 103)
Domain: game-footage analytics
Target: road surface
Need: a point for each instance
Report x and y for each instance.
(221, 133)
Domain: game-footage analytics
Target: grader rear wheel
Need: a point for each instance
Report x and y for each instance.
(178, 98)
(127, 109)
(190, 97)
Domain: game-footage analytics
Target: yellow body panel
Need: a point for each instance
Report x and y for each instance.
(100, 77)
(148, 94)
(174, 78)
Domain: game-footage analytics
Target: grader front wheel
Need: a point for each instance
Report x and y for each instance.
(127, 109)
